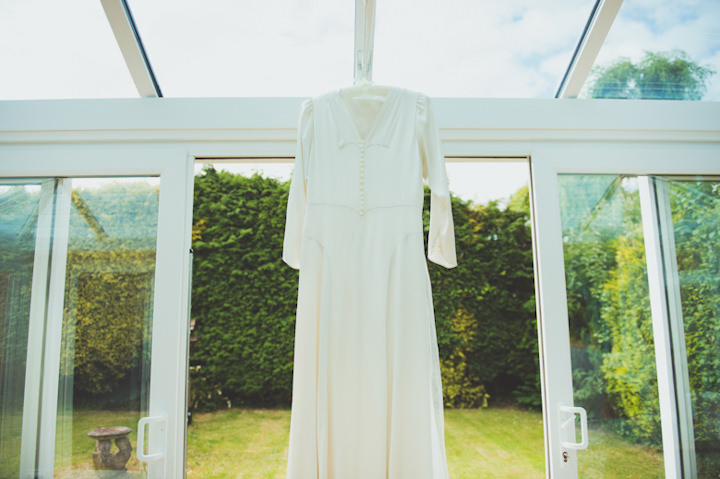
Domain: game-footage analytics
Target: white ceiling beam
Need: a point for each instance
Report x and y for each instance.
(592, 39)
(131, 47)
(364, 40)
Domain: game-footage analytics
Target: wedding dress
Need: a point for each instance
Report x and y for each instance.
(367, 395)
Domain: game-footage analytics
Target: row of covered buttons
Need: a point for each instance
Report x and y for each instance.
(362, 177)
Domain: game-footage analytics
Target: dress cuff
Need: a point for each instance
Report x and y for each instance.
(441, 241)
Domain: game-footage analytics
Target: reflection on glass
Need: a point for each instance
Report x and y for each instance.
(107, 321)
(695, 206)
(19, 206)
(654, 76)
(613, 357)
(661, 49)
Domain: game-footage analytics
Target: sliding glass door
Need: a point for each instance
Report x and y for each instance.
(631, 281)
(93, 315)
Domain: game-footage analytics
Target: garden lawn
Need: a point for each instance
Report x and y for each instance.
(238, 443)
(487, 443)
(494, 443)
(252, 444)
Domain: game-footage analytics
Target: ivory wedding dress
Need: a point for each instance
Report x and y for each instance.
(367, 395)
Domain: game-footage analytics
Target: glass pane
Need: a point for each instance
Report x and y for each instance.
(695, 206)
(611, 333)
(19, 207)
(466, 48)
(660, 49)
(60, 50)
(222, 48)
(107, 323)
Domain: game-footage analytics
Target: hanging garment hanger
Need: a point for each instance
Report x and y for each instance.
(363, 88)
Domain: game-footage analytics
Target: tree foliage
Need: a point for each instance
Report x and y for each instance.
(657, 76)
(462, 388)
(106, 335)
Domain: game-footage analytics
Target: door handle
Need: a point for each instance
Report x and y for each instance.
(142, 424)
(566, 423)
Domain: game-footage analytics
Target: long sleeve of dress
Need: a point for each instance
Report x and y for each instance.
(441, 241)
(295, 216)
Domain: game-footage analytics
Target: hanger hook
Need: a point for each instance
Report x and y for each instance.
(364, 41)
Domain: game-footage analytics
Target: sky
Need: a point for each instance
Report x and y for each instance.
(220, 48)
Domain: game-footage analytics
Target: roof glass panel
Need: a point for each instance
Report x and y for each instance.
(660, 49)
(219, 48)
(470, 48)
(51, 49)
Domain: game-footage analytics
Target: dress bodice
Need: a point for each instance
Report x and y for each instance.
(336, 165)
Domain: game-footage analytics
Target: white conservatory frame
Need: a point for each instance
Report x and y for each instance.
(558, 136)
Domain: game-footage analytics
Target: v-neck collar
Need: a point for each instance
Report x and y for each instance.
(379, 118)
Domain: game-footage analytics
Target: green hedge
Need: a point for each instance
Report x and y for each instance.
(244, 300)
(243, 297)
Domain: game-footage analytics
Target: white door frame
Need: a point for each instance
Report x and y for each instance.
(36, 328)
(168, 395)
(675, 402)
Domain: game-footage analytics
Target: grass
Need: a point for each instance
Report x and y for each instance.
(238, 443)
(252, 444)
(494, 443)
(487, 443)
(609, 456)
